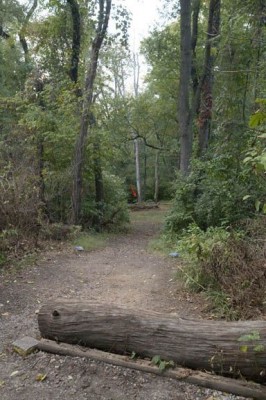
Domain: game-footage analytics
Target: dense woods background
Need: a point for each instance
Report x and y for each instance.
(80, 136)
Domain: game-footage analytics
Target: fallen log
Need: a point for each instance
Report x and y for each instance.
(207, 380)
(230, 349)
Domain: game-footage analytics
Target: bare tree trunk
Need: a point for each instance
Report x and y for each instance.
(39, 87)
(194, 39)
(185, 125)
(156, 177)
(206, 103)
(75, 40)
(102, 24)
(40, 153)
(99, 189)
(22, 32)
(137, 167)
(136, 67)
(145, 174)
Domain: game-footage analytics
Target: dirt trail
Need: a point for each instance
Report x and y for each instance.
(124, 272)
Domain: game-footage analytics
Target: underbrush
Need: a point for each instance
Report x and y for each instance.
(152, 215)
(228, 265)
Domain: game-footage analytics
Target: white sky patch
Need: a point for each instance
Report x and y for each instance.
(144, 16)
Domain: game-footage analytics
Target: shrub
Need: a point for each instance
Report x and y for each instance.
(228, 265)
(115, 210)
(19, 211)
(215, 194)
(113, 213)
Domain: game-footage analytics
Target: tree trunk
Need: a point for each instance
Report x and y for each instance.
(185, 123)
(194, 39)
(156, 177)
(22, 32)
(234, 349)
(73, 72)
(136, 70)
(144, 191)
(99, 189)
(205, 114)
(40, 167)
(137, 167)
(102, 24)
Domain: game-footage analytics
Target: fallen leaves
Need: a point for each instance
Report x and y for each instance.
(41, 377)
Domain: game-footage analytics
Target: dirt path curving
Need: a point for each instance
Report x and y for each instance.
(124, 272)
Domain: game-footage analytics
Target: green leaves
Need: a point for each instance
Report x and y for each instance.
(251, 338)
(259, 117)
(162, 364)
(255, 335)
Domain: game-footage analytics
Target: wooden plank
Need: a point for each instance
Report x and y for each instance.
(207, 380)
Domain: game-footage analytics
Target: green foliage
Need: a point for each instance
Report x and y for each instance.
(252, 338)
(59, 231)
(115, 209)
(256, 154)
(196, 247)
(162, 365)
(255, 335)
(226, 264)
(221, 189)
(113, 213)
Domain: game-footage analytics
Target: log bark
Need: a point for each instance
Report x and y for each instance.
(207, 380)
(231, 349)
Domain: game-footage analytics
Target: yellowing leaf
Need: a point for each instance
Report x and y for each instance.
(244, 349)
(41, 377)
(14, 373)
(257, 205)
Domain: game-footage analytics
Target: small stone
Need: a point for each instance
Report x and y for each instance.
(79, 248)
(25, 346)
(174, 254)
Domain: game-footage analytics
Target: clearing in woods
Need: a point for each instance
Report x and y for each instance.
(124, 272)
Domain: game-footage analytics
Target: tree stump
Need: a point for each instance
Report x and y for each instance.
(230, 349)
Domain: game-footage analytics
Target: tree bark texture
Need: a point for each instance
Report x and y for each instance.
(74, 7)
(22, 32)
(233, 349)
(156, 176)
(194, 39)
(137, 168)
(206, 103)
(185, 123)
(99, 189)
(102, 24)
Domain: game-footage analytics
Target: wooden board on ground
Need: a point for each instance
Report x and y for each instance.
(237, 387)
(235, 348)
